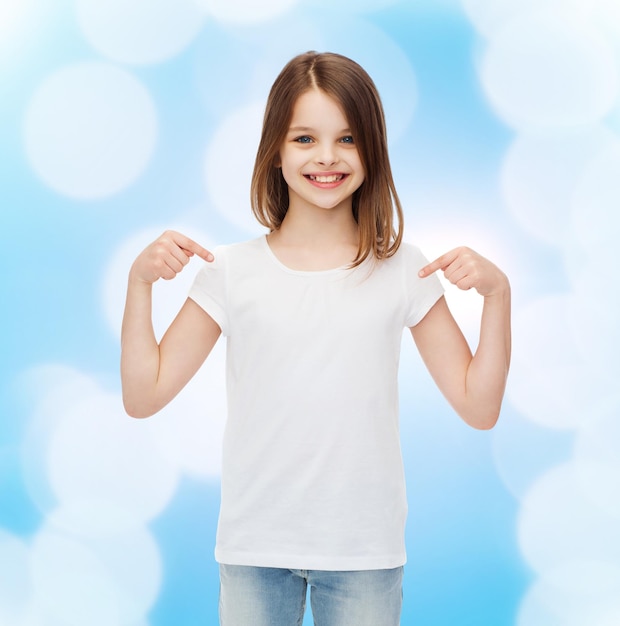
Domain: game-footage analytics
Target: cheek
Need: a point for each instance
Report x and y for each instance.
(359, 162)
(290, 162)
(285, 172)
(361, 174)
(359, 186)
(361, 169)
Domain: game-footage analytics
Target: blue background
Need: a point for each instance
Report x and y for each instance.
(504, 526)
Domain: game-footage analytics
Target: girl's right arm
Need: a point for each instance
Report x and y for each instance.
(151, 373)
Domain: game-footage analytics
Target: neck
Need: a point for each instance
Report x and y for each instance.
(319, 227)
(316, 240)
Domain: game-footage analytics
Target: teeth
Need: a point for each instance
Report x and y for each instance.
(327, 179)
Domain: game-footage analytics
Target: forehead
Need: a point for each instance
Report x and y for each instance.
(316, 108)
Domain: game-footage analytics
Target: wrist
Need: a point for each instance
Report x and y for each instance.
(137, 281)
(501, 289)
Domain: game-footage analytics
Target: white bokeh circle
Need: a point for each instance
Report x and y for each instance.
(359, 6)
(111, 579)
(544, 72)
(574, 594)
(14, 19)
(93, 518)
(71, 582)
(97, 477)
(592, 269)
(550, 382)
(596, 459)
(15, 578)
(245, 11)
(523, 450)
(80, 445)
(125, 547)
(557, 524)
(593, 318)
(36, 614)
(96, 451)
(228, 167)
(90, 130)
(594, 218)
(605, 14)
(540, 175)
(490, 16)
(51, 388)
(140, 31)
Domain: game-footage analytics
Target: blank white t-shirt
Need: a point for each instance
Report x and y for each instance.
(312, 474)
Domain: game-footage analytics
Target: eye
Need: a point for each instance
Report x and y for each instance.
(348, 139)
(303, 139)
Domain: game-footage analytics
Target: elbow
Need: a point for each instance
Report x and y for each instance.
(486, 422)
(482, 410)
(481, 418)
(137, 410)
(138, 414)
(140, 404)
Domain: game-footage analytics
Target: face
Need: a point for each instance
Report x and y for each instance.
(320, 162)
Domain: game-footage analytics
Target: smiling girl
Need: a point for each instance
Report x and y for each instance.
(313, 312)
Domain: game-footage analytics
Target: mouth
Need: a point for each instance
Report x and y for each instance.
(326, 179)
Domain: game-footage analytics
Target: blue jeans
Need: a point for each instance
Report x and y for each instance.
(267, 596)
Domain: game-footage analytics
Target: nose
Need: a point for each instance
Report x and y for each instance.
(326, 156)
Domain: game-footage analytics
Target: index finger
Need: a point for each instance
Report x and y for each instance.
(191, 246)
(439, 263)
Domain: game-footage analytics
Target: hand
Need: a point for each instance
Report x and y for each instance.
(467, 269)
(166, 257)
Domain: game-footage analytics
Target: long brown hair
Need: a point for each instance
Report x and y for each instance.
(376, 206)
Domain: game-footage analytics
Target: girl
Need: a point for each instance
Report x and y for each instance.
(313, 312)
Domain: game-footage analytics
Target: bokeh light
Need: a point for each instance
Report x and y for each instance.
(121, 120)
(228, 179)
(245, 11)
(90, 129)
(540, 71)
(141, 31)
(541, 174)
(550, 383)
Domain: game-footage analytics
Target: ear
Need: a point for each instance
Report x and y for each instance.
(277, 162)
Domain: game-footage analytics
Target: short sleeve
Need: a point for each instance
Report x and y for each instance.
(209, 289)
(421, 293)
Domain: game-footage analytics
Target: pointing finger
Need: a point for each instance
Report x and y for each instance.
(203, 253)
(439, 263)
(189, 245)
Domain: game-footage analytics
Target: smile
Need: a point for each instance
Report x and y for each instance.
(332, 178)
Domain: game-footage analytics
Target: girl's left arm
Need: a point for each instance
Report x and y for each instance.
(473, 384)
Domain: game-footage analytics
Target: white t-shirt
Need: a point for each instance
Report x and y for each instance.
(312, 474)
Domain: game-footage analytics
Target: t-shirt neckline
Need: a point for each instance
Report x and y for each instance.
(290, 270)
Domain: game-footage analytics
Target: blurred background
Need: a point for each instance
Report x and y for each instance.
(121, 119)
